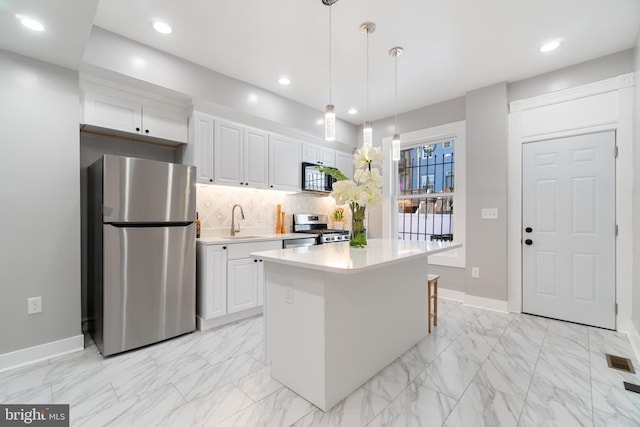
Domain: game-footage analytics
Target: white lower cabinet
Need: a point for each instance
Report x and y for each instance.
(211, 281)
(229, 281)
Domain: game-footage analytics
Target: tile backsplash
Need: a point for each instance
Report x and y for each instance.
(214, 204)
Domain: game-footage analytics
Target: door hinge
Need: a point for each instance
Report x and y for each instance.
(615, 151)
(616, 308)
(616, 230)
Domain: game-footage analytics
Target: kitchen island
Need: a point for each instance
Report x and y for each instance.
(336, 315)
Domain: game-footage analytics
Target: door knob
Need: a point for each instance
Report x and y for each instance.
(528, 242)
(528, 229)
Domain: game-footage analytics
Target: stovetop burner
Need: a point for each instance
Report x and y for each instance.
(317, 224)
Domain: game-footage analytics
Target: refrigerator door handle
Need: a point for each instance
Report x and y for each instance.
(149, 224)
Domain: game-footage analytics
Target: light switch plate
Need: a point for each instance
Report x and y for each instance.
(475, 272)
(489, 213)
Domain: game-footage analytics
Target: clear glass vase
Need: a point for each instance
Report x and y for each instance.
(358, 233)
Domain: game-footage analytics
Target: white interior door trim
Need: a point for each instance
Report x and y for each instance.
(600, 106)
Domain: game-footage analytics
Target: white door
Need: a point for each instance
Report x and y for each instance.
(568, 235)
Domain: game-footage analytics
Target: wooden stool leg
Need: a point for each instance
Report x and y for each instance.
(435, 302)
(429, 304)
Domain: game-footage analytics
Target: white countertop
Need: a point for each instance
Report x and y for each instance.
(341, 258)
(248, 237)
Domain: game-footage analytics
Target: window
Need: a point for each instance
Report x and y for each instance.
(429, 183)
(426, 186)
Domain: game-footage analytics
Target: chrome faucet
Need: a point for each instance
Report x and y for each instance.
(233, 219)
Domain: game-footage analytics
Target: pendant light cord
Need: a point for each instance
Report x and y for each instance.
(329, 54)
(396, 100)
(368, 31)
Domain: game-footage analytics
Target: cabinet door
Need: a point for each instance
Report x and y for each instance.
(242, 284)
(164, 123)
(229, 154)
(344, 163)
(284, 163)
(112, 113)
(199, 150)
(310, 153)
(327, 157)
(256, 157)
(211, 280)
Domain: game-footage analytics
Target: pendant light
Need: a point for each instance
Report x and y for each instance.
(367, 130)
(329, 112)
(395, 143)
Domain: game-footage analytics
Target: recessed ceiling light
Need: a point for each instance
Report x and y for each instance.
(284, 81)
(162, 27)
(320, 121)
(30, 23)
(352, 111)
(253, 97)
(548, 47)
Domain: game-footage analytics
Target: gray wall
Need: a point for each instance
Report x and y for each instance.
(486, 115)
(39, 202)
(485, 111)
(93, 147)
(576, 75)
(110, 52)
(635, 307)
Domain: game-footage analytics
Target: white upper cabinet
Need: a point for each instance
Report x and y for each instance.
(199, 150)
(241, 156)
(285, 168)
(344, 163)
(319, 155)
(256, 157)
(119, 111)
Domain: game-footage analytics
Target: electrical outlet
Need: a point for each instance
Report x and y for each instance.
(475, 272)
(34, 305)
(288, 295)
(489, 213)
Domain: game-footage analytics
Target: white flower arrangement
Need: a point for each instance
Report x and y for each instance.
(366, 187)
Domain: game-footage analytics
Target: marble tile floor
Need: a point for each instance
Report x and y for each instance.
(477, 368)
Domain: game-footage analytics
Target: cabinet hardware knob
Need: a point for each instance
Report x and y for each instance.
(242, 183)
(528, 229)
(146, 131)
(271, 186)
(224, 247)
(137, 129)
(528, 242)
(210, 180)
(246, 183)
(260, 260)
(255, 260)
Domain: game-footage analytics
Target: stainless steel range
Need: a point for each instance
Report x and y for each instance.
(318, 225)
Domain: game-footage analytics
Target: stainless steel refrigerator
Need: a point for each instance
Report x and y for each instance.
(142, 244)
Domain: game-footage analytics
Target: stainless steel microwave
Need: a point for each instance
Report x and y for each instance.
(314, 180)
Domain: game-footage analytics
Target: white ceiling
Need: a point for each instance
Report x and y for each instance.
(451, 46)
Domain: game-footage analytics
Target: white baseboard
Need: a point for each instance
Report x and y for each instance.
(474, 301)
(451, 294)
(486, 303)
(626, 326)
(41, 352)
(204, 324)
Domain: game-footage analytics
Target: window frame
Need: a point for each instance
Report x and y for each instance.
(456, 131)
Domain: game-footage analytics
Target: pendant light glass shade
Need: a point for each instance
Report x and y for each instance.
(395, 147)
(367, 135)
(330, 123)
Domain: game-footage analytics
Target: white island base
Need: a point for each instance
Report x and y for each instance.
(332, 323)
